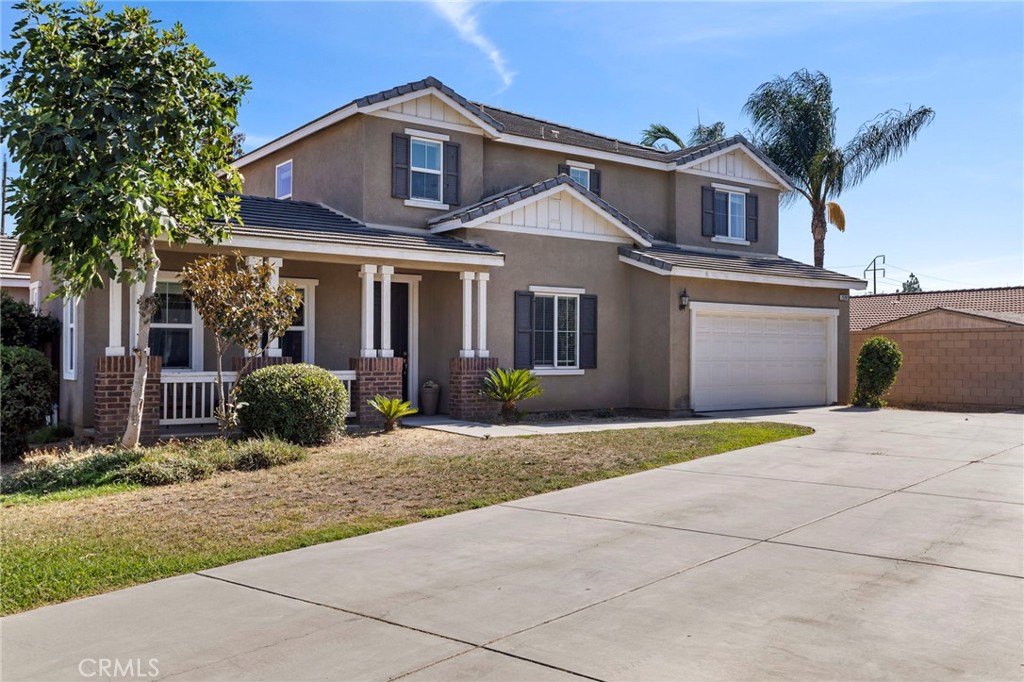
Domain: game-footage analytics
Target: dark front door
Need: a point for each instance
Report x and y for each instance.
(399, 327)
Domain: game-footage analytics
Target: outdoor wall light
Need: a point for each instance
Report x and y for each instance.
(684, 300)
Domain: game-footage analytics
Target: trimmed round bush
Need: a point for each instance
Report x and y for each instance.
(28, 386)
(302, 404)
(878, 363)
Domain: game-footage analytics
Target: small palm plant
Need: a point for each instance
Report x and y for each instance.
(509, 386)
(392, 409)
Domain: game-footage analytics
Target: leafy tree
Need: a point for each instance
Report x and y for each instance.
(28, 384)
(241, 306)
(122, 131)
(795, 126)
(911, 286)
(655, 133)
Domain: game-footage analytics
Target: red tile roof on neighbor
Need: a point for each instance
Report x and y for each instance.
(872, 310)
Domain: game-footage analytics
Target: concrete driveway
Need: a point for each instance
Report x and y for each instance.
(888, 545)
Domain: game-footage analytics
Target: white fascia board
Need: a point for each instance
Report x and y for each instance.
(741, 147)
(557, 189)
(14, 283)
(644, 266)
(543, 232)
(296, 135)
(416, 120)
(584, 152)
(699, 273)
(17, 258)
(416, 94)
(269, 243)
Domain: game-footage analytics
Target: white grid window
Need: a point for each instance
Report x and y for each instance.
(556, 324)
(173, 327)
(731, 214)
(283, 180)
(580, 175)
(425, 170)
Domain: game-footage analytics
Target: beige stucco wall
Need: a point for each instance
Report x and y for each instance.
(688, 212)
(19, 294)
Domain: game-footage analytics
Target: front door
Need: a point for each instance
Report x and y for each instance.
(399, 326)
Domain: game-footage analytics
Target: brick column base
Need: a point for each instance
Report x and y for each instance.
(374, 376)
(465, 379)
(112, 398)
(258, 363)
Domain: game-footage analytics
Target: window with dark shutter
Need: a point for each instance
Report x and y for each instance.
(595, 182)
(588, 331)
(707, 219)
(751, 217)
(563, 169)
(523, 350)
(400, 151)
(451, 173)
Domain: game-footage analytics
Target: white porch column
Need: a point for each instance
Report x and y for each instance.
(481, 314)
(274, 351)
(467, 314)
(251, 262)
(368, 273)
(386, 271)
(115, 343)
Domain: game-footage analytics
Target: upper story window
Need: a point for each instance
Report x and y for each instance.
(425, 170)
(729, 214)
(580, 175)
(584, 174)
(283, 180)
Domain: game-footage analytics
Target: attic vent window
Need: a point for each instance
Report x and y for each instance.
(283, 180)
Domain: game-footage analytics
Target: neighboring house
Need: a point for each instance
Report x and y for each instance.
(434, 237)
(14, 278)
(961, 349)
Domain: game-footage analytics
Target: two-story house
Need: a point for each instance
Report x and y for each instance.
(434, 237)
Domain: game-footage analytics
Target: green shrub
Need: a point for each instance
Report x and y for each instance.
(878, 362)
(51, 434)
(21, 325)
(48, 475)
(167, 471)
(28, 385)
(263, 453)
(392, 409)
(509, 387)
(300, 403)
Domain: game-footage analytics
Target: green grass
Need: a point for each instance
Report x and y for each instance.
(71, 542)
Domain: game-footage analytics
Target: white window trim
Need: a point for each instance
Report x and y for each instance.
(197, 326)
(277, 191)
(69, 351)
(558, 372)
(412, 132)
(34, 299)
(426, 202)
(730, 188)
(730, 240)
(582, 170)
(555, 293)
(309, 328)
(582, 165)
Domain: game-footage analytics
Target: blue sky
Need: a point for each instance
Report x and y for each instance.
(951, 210)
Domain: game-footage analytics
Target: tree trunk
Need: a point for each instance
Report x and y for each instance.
(818, 227)
(133, 431)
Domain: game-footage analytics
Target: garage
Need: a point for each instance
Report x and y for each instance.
(749, 357)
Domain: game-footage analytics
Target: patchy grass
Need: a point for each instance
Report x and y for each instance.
(76, 547)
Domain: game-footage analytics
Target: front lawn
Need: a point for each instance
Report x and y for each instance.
(73, 546)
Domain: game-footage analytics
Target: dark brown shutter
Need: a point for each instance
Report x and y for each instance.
(523, 351)
(588, 331)
(595, 182)
(400, 150)
(751, 217)
(563, 169)
(451, 173)
(707, 217)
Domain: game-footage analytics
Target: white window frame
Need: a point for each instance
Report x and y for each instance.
(559, 293)
(69, 339)
(291, 180)
(197, 351)
(584, 171)
(729, 237)
(34, 299)
(308, 329)
(430, 171)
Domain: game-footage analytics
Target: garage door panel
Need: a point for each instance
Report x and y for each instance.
(759, 360)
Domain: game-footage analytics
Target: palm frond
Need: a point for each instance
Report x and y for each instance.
(883, 140)
(656, 132)
(701, 134)
(836, 216)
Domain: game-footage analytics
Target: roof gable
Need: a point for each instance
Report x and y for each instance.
(732, 158)
(558, 207)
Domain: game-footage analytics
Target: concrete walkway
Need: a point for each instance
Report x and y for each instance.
(885, 546)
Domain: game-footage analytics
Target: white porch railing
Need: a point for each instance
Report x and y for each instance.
(189, 398)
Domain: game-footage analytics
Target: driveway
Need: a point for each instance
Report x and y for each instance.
(886, 545)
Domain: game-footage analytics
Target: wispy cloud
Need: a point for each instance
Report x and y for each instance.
(463, 19)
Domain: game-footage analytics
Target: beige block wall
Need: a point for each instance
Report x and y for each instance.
(958, 368)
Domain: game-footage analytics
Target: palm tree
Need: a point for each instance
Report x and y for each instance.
(656, 132)
(795, 126)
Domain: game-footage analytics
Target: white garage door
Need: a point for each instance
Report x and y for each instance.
(753, 360)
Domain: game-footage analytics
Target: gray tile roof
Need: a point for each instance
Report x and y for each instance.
(514, 195)
(667, 256)
(876, 309)
(306, 221)
(8, 254)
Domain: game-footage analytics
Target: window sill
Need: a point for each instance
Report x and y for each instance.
(558, 372)
(730, 240)
(424, 203)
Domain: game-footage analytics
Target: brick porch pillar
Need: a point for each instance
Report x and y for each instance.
(259, 363)
(465, 379)
(112, 396)
(374, 376)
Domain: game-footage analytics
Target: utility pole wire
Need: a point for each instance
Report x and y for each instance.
(874, 269)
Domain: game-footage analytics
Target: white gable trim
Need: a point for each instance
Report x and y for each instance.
(699, 273)
(296, 135)
(492, 217)
(739, 146)
(416, 94)
(543, 232)
(407, 118)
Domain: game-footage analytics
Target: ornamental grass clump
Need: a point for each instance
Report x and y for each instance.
(878, 363)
